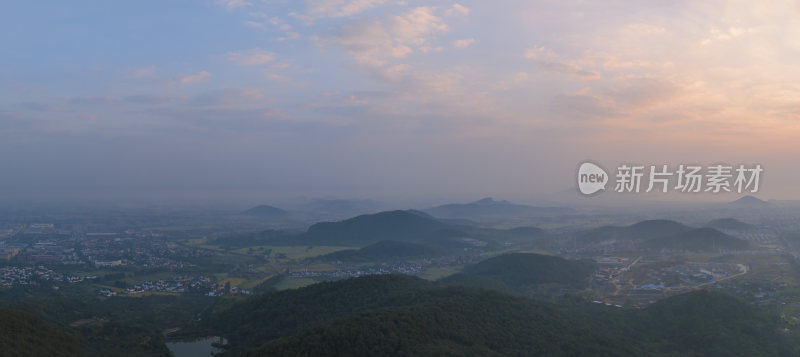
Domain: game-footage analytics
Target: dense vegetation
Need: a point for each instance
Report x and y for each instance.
(643, 230)
(360, 231)
(266, 317)
(365, 229)
(382, 251)
(729, 224)
(455, 321)
(657, 235)
(22, 334)
(400, 315)
(118, 326)
(696, 240)
(525, 273)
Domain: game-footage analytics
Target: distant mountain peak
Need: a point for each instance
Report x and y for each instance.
(487, 201)
(490, 201)
(265, 210)
(656, 222)
(490, 208)
(750, 200)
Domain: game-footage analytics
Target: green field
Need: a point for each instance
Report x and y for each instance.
(437, 273)
(138, 279)
(313, 267)
(290, 283)
(251, 283)
(291, 252)
(233, 281)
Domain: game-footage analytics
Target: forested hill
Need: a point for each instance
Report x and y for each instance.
(22, 334)
(400, 315)
(360, 231)
(524, 273)
(697, 240)
(640, 231)
(382, 251)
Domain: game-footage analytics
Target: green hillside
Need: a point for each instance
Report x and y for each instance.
(382, 251)
(22, 334)
(643, 230)
(524, 273)
(696, 240)
(404, 316)
(265, 317)
(402, 226)
(729, 224)
(457, 322)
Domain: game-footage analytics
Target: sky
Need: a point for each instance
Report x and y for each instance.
(388, 99)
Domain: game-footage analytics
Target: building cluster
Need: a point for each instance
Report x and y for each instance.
(177, 285)
(394, 268)
(225, 289)
(15, 276)
(38, 243)
(130, 250)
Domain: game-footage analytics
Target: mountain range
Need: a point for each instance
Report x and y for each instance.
(489, 208)
(664, 235)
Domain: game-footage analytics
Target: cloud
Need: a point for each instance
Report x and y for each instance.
(463, 43)
(255, 24)
(456, 10)
(569, 69)
(319, 9)
(731, 33)
(252, 57)
(290, 35)
(511, 83)
(636, 72)
(381, 47)
(233, 4)
(644, 93)
(192, 78)
(548, 60)
(279, 78)
(372, 42)
(415, 26)
(262, 21)
(539, 52)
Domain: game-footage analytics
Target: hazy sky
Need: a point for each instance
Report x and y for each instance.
(363, 98)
